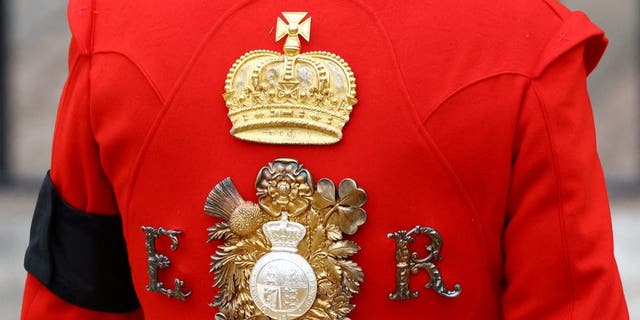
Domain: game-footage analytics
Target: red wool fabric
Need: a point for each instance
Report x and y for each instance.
(473, 118)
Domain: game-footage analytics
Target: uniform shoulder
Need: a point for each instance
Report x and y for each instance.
(493, 36)
(575, 30)
(551, 29)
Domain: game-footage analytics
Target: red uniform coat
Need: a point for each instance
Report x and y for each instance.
(473, 118)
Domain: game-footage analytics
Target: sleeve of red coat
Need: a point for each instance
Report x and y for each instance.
(558, 241)
(75, 169)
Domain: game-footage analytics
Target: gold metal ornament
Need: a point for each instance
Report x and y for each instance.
(409, 263)
(290, 98)
(157, 261)
(285, 257)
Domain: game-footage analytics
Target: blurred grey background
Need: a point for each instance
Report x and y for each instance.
(37, 41)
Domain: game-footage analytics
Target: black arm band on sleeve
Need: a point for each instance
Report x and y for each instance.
(80, 257)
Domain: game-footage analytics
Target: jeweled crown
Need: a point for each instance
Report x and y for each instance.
(290, 98)
(283, 234)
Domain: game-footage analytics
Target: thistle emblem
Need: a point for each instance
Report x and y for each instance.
(285, 257)
(290, 98)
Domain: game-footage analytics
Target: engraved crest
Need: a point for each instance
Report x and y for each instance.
(290, 98)
(285, 257)
(283, 284)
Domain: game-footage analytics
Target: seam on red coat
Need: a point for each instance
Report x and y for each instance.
(91, 130)
(156, 92)
(557, 179)
(142, 71)
(553, 8)
(468, 85)
(514, 153)
(69, 87)
(412, 110)
(137, 163)
(200, 48)
(93, 25)
(428, 140)
(63, 98)
(96, 146)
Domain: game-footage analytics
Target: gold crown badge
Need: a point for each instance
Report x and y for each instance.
(290, 98)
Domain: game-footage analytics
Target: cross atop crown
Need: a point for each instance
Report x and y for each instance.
(294, 28)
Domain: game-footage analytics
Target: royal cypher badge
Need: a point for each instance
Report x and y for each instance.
(285, 257)
(290, 98)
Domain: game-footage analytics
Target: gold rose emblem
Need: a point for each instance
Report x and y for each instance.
(284, 186)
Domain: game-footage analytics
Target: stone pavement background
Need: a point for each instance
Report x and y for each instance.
(38, 47)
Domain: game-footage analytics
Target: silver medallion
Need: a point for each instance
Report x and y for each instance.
(282, 283)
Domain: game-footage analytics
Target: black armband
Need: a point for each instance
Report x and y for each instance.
(80, 257)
